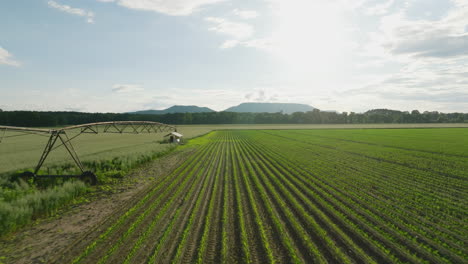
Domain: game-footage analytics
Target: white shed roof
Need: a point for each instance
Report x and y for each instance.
(175, 134)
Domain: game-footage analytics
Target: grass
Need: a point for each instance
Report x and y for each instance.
(19, 205)
(109, 156)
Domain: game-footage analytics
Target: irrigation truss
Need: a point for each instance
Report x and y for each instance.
(60, 137)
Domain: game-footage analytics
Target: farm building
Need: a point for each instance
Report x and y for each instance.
(174, 137)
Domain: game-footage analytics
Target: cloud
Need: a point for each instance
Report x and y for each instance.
(380, 9)
(74, 11)
(229, 44)
(245, 14)
(126, 88)
(441, 85)
(400, 36)
(168, 7)
(268, 44)
(425, 61)
(439, 97)
(438, 47)
(443, 38)
(261, 95)
(6, 58)
(236, 30)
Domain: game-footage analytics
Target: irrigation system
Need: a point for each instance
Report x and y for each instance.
(59, 137)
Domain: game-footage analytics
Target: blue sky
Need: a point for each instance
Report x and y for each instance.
(126, 55)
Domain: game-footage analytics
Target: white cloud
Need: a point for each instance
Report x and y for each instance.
(126, 88)
(6, 58)
(380, 9)
(432, 54)
(408, 60)
(263, 95)
(230, 44)
(245, 14)
(168, 7)
(268, 44)
(402, 37)
(236, 30)
(74, 11)
(351, 4)
(429, 84)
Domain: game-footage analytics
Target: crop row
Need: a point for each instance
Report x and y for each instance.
(266, 197)
(105, 234)
(445, 197)
(394, 214)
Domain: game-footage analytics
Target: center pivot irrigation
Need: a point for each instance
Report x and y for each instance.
(119, 127)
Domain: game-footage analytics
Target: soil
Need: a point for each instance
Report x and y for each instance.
(41, 241)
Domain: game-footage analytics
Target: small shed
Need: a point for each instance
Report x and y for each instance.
(174, 137)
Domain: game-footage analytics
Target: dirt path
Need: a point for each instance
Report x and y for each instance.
(59, 232)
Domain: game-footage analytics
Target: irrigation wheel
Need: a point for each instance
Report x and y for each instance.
(89, 178)
(27, 176)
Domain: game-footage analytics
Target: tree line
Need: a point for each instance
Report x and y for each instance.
(51, 119)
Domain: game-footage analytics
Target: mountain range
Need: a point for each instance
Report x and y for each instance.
(176, 109)
(286, 108)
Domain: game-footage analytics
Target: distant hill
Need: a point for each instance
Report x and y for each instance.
(176, 109)
(382, 112)
(286, 108)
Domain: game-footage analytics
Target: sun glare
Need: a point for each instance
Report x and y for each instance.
(308, 35)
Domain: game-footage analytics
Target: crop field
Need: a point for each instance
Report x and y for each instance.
(23, 151)
(297, 196)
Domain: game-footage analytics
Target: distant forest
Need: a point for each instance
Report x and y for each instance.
(51, 119)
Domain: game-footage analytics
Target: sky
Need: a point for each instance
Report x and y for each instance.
(128, 55)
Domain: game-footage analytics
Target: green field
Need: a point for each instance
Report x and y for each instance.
(300, 196)
(23, 152)
(109, 156)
